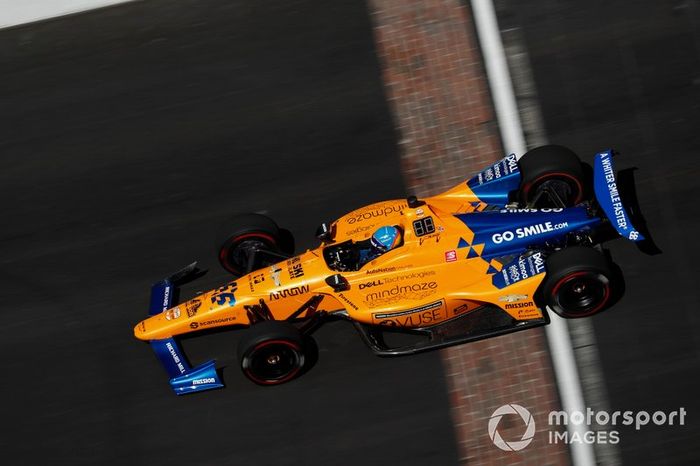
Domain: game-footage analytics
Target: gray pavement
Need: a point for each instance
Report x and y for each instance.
(626, 75)
(126, 136)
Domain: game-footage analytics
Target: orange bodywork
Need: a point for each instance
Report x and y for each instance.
(425, 281)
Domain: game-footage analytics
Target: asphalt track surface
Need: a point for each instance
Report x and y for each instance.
(627, 75)
(127, 136)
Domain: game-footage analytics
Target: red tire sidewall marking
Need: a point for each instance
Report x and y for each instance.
(568, 278)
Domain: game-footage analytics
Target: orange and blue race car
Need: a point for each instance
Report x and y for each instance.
(488, 257)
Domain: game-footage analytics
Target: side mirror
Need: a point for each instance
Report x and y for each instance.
(323, 232)
(338, 283)
(414, 202)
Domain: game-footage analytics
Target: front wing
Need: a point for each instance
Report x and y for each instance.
(183, 378)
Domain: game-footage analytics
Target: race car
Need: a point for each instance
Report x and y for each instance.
(490, 256)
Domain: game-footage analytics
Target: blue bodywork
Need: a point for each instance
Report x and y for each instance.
(513, 231)
(520, 269)
(183, 378)
(606, 192)
(507, 232)
(493, 184)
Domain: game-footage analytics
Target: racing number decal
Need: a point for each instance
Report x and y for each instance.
(225, 295)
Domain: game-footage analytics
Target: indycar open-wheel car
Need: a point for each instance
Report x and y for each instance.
(485, 258)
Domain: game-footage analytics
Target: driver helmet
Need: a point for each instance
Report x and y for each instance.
(386, 238)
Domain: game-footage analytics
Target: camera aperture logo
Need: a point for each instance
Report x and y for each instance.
(529, 427)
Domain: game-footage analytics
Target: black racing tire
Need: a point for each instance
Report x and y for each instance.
(554, 167)
(578, 282)
(241, 234)
(272, 352)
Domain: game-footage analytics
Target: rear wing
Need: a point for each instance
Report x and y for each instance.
(608, 196)
(183, 378)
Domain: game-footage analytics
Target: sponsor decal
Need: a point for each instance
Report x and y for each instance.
(294, 268)
(275, 275)
(462, 308)
(615, 209)
(514, 210)
(192, 307)
(176, 358)
(173, 313)
(222, 320)
(416, 317)
(255, 279)
(519, 305)
(450, 256)
(375, 212)
(511, 298)
(419, 212)
(371, 284)
(293, 291)
(524, 232)
(401, 290)
(389, 269)
(203, 381)
(619, 211)
(347, 301)
(388, 280)
(381, 270)
(360, 229)
(520, 269)
(410, 276)
(166, 298)
(225, 295)
(529, 313)
(498, 170)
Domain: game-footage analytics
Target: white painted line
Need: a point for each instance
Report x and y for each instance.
(16, 12)
(581, 331)
(514, 142)
(499, 77)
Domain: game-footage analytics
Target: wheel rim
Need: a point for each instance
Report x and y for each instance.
(235, 255)
(273, 362)
(239, 255)
(581, 294)
(544, 191)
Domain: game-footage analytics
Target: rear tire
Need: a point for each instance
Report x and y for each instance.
(551, 168)
(241, 235)
(272, 353)
(578, 282)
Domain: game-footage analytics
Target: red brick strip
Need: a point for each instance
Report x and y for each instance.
(442, 109)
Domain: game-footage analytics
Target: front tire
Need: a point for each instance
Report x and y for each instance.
(272, 353)
(551, 176)
(244, 234)
(578, 282)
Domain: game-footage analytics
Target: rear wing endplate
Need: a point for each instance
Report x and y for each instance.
(608, 196)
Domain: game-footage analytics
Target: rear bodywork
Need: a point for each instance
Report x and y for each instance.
(469, 267)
